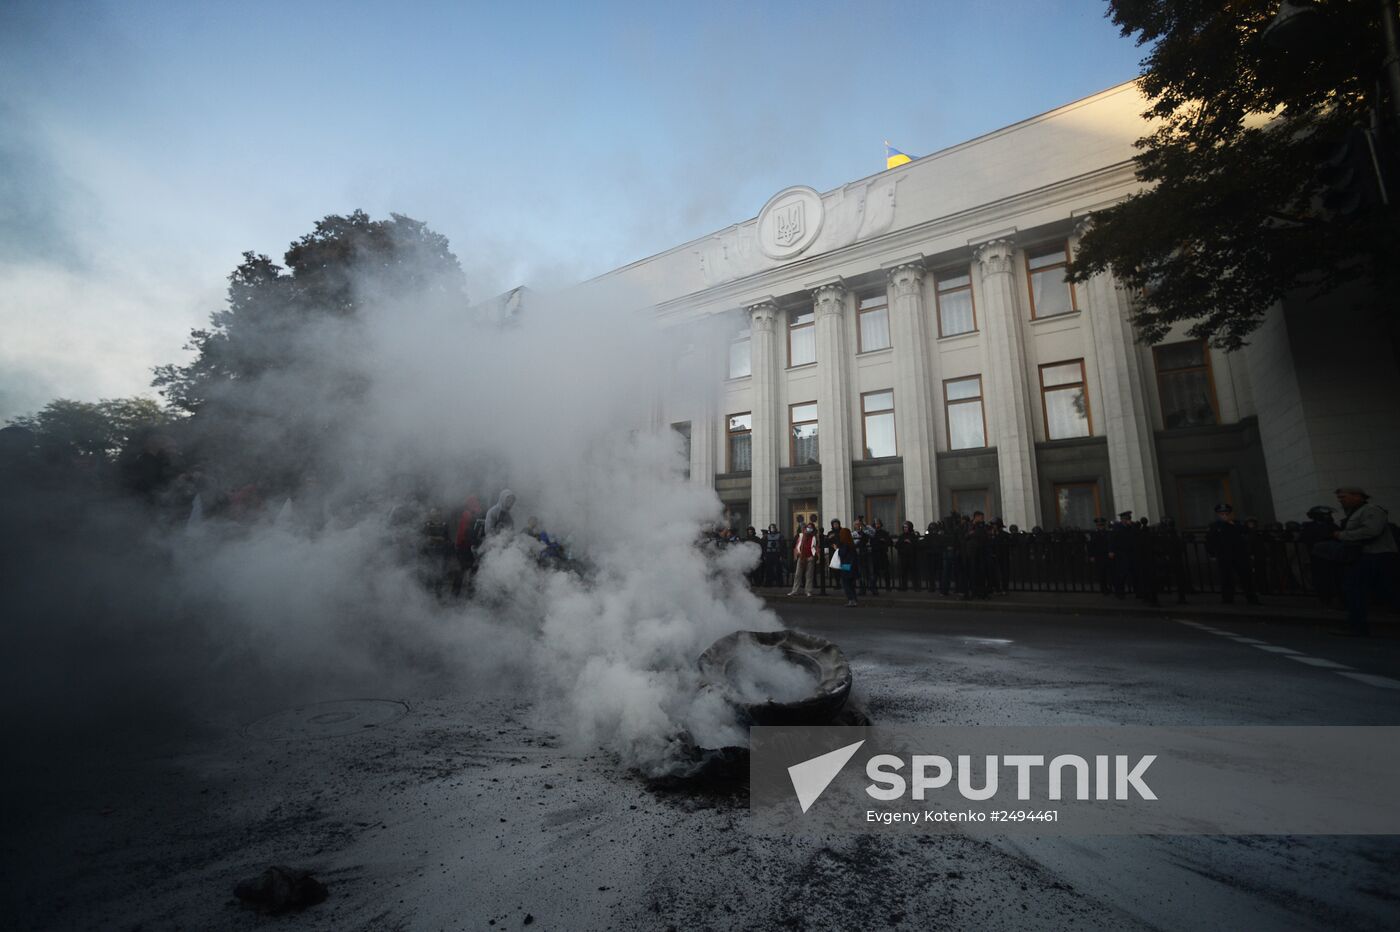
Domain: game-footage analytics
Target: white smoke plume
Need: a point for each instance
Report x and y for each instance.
(325, 598)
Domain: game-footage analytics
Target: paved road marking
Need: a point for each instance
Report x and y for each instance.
(1370, 679)
(1320, 662)
(1341, 669)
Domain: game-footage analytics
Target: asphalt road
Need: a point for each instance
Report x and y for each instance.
(470, 812)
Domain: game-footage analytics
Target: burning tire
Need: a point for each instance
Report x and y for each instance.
(779, 677)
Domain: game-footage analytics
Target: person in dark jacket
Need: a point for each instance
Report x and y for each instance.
(950, 560)
(774, 550)
(1228, 542)
(1121, 549)
(880, 544)
(1326, 574)
(1145, 563)
(1171, 555)
(846, 552)
(1098, 555)
(907, 547)
(977, 556)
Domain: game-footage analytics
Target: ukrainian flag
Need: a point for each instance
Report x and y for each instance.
(894, 157)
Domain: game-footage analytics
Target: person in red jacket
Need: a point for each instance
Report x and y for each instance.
(469, 532)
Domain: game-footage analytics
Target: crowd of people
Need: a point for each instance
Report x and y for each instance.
(1352, 560)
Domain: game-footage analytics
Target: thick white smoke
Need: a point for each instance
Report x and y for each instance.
(560, 404)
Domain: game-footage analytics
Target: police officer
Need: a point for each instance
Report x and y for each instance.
(1171, 552)
(977, 557)
(1145, 563)
(1098, 555)
(1121, 550)
(1228, 542)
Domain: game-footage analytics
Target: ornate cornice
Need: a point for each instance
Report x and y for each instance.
(763, 315)
(994, 256)
(829, 300)
(905, 278)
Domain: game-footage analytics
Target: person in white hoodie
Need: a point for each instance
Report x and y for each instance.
(498, 518)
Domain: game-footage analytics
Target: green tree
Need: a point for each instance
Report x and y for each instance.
(329, 274)
(1229, 222)
(74, 431)
(278, 375)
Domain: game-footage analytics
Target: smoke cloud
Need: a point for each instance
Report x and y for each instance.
(153, 625)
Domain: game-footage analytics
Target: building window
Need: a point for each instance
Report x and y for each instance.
(874, 329)
(967, 501)
(1197, 497)
(802, 450)
(1051, 295)
(884, 507)
(1185, 384)
(740, 363)
(739, 440)
(802, 339)
(1064, 400)
(962, 402)
(1076, 504)
(953, 295)
(878, 424)
(682, 430)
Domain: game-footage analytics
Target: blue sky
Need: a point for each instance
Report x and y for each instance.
(145, 145)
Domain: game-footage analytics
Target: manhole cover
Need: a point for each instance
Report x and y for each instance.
(327, 719)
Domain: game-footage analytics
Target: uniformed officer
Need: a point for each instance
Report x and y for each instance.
(1121, 547)
(1098, 554)
(1228, 542)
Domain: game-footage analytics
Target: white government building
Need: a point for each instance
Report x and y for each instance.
(906, 345)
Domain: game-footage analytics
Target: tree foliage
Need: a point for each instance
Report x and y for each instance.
(1229, 222)
(78, 431)
(329, 274)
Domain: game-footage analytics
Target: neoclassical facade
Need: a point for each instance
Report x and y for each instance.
(906, 345)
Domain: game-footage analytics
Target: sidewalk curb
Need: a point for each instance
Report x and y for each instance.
(1112, 607)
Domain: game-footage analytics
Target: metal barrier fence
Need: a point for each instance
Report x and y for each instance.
(1062, 562)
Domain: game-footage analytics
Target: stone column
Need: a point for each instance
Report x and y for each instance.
(768, 426)
(1006, 392)
(705, 424)
(913, 386)
(833, 401)
(1124, 419)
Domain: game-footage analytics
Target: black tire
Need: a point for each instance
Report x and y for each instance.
(818, 655)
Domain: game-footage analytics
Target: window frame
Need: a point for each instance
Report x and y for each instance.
(746, 337)
(812, 325)
(870, 515)
(1030, 280)
(729, 435)
(689, 435)
(792, 438)
(947, 410)
(985, 492)
(860, 330)
(1089, 483)
(1228, 498)
(939, 291)
(1210, 380)
(1083, 383)
(894, 426)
